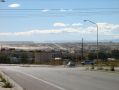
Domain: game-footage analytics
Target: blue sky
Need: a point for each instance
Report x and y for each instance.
(58, 20)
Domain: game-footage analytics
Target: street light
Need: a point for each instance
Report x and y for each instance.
(97, 33)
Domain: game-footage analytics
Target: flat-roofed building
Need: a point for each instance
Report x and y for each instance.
(43, 57)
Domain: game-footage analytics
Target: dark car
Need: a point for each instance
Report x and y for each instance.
(88, 62)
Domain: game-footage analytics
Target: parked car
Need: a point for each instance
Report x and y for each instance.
(87, 62)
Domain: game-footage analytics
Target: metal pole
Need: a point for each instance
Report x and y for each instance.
(82, 50)
(97, 35)
(97, 44)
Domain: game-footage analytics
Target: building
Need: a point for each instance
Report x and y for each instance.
(42, 57)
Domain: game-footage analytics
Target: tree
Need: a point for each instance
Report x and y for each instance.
(102, 55)
(4, 58)
(91, 56)
(115, 54)
(24, 58)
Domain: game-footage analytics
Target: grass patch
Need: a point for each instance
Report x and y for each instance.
(2, 79)
(6, 83)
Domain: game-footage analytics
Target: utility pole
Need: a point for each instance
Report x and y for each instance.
(1, 48)
(82, 50)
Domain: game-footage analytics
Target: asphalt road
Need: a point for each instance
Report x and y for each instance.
(58, 78)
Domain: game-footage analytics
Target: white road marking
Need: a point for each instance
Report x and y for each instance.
(49, 83)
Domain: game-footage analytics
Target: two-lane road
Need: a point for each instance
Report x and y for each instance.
(51, 78)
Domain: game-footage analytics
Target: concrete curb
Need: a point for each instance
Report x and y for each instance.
(15, 85)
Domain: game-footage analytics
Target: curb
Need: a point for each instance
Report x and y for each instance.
(15, 85)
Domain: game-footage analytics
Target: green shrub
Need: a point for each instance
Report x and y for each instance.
(2, 78)
(7, 84)
(112, 68)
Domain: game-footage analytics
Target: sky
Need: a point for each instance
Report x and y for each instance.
(58, 20)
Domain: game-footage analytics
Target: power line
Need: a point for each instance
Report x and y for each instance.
(75, 9)
(58, 12)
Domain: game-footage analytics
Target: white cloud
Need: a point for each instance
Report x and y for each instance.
(45, 10)
(33, 32)
(108, 26)
(59, 24)
(104, 29)
(116, 36)
(63, 10)
(14, 5)
(76, 24)
(48, 31)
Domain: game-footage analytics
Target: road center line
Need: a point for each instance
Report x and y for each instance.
(49, 83)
